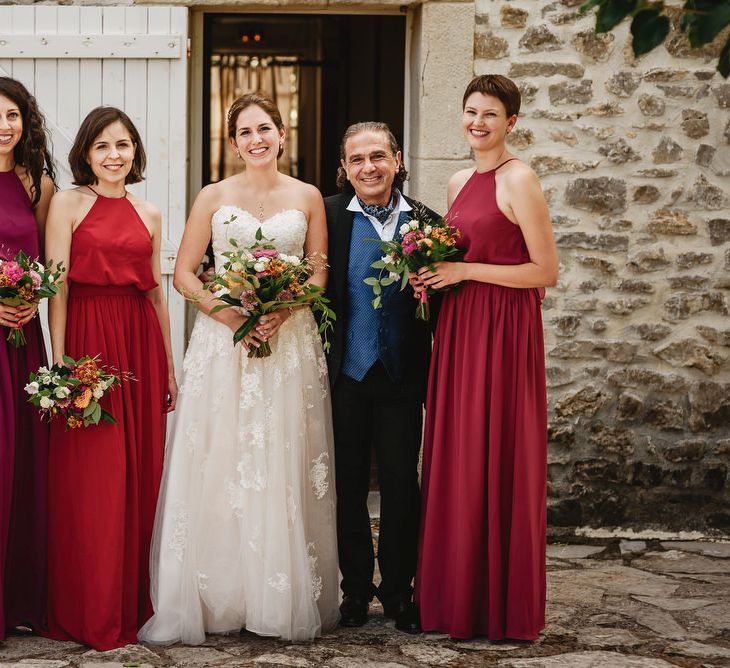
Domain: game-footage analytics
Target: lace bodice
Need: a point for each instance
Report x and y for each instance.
(286, 229)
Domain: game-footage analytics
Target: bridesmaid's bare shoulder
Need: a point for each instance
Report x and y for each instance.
(457, 182)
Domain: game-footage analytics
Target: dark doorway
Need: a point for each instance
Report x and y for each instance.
(324, 71)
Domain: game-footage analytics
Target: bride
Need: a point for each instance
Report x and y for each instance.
(245, 527)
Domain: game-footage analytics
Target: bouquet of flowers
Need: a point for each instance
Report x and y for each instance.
(259, 279)
(24, 281)
(423, 243)
(73, 390)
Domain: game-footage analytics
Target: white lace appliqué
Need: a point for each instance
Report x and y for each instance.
(316, 579)
(280, 582)
(318, 475)
(179, 532)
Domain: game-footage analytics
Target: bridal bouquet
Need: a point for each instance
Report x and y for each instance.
(259, 279)
(73, 390)
(24, 281)
(423, 242)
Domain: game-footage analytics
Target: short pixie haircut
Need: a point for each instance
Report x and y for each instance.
(92, 126)
(496, 85)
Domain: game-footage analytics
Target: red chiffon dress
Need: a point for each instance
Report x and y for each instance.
(481, 568)
(104, 479)
(23, 439)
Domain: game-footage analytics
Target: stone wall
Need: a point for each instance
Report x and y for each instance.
(634, 159)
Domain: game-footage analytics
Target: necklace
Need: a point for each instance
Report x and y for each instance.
(261, 203)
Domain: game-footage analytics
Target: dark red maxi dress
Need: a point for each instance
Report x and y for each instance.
(23, 439)
(481, 565)
(104, 480)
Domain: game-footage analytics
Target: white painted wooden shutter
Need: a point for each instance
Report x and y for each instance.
(76, 58)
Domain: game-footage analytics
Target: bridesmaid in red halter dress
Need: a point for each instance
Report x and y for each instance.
(103, 480)
(26, 186)
(482, 558)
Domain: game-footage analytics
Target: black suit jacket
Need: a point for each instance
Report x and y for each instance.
(413, 342)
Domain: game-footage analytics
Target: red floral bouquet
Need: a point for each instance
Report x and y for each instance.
(259, 279)
(24, 281)
(423, 242)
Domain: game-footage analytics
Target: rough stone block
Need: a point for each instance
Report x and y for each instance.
(595, 262)
(691, 353)
(635, 285)
(695, 123)
(707, 195)
(546, 69)
(671, 222)
(646, 378)
(666, 151)
(651, 105)
(693, 259)
(603, 242)
(709, 405)
(539, 38)
(586, 401)
(704, 155)
(658, 172)
(596, 46)
(645, 194)
(553, 164)
(619, 152)
(605, 109)
(623, 83)
(652, 332)
(513, 17)
(683, 305)
(489, 46)
(521, 138)
(558, 376)
(564, 136)
(580, 350)
(626, 306)
(722, 94)
(629, 407)
(567, 93)
(598, 195)
(719, 230)
(528, 91)
(713, 335)
(664, 414)
(688, 282)
(648, 260)
(566, 325)
(687, 450)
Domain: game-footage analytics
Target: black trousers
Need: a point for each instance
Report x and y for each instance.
(376, 413)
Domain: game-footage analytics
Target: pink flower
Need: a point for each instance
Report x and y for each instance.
(409, 249)
(286, 296)
(13, 271)
(264, 252)
(35, 277)
(248, 300)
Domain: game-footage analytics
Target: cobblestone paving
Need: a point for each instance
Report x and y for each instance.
(611, 604)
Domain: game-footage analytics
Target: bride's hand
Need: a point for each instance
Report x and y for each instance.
(269, 323)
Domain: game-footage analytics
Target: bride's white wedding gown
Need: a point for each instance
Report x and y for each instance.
(245, 529)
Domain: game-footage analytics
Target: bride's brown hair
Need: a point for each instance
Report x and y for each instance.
(260, 100)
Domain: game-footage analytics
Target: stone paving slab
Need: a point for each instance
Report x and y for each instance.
(612, 603)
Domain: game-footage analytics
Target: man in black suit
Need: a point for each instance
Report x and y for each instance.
(378, 368)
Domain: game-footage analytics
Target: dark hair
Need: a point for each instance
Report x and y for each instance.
(32, 150)
(497, 86)
(91, 127)
(262, 101)
(401, 176)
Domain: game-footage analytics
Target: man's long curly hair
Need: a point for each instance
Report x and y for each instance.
(32, 150)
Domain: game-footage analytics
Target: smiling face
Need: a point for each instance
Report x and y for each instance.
(111, 154)
(11, 125)
(371, 166)
(485, 121)
(257, 139)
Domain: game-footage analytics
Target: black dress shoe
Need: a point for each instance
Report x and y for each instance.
(406, 616)
(353, 611)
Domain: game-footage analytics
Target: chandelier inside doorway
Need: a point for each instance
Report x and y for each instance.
(235, 74)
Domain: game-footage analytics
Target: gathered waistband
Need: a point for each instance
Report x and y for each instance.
(86, 290)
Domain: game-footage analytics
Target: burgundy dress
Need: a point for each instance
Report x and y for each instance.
(104, 479)
(481, 565)
(23, 439)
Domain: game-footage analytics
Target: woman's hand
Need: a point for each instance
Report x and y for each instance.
(443, 275)
(417, 284)
(26, 313)
(9, 316)
(269, 323)
(171, 393)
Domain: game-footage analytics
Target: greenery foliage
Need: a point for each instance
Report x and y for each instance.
(701, 20)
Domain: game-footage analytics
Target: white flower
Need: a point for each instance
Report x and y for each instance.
(51, 278)
(47, 402)
(404, 228)
(32, 388)
(394, 276)
(43, 370)
(427, 229)
(47, 380)
(259, 266)
(222, 291)
(414, 224)
(387, 259)
(62, 392)
(238, 266)
(98, 392)
(293, 259)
